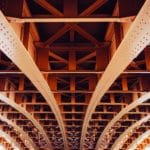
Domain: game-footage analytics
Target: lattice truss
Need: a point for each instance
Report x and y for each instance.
(144, 144)
(74, 85)
(4, 143)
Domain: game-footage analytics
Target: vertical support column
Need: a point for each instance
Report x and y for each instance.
(72, 84)
(33, 98)
(134, 95)
(43, 59)
(72, 89)
(92, 83)
(21, 84)
(2, 83)
(52, 81)
(19, 96)
(124, 84)
(72, 60)
(71, 10)
(73, 105)
(125, 88)
(58, 99)
(112, 98)
(110, 33)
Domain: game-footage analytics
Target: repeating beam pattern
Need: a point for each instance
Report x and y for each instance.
(139, 140)
(124, 136)
(124, 111)
(15, 51)
(69, 47)
(10, 140)
(129, 49)
(30, 144)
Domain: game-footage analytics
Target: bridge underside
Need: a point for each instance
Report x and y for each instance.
(65, 73)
